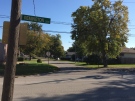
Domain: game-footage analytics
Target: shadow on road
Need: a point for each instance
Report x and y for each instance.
(120, 71)
(113, 91)
(69, 70)
(72, 79)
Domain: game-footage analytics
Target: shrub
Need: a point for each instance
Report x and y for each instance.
(93, 59)
(114, 61)
(34, 56)
(20, 59)
(65, 58)
(39, 61)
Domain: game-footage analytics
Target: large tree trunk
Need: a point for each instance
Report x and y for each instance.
(105, 60)
(9, 75)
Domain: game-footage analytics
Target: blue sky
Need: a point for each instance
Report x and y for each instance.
(60, 11)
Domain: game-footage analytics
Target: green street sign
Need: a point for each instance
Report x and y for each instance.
(35, 19)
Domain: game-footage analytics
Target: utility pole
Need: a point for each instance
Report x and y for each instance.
(10, 69)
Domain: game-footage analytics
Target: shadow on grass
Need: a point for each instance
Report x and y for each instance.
(62, 63)
(35, 68)
(119, 90)
(31, 69)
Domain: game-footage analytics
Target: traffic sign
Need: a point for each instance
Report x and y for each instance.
(48, 53)
(22, 33)
(35, 19)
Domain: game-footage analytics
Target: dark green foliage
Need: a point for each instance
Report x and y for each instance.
(39, 61)
(39, 43)
(33, 56)
(114, 61)
(71, 49)
(65, 59)
(93, 59)
(101, 29)
(73, 57)
(20, 59)
(56, 48)
(31, 69)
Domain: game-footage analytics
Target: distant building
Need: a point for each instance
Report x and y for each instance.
(69, 54)
(3, 52)
(127, 56)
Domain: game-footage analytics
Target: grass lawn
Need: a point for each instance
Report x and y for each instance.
(110, 66)
(31, 68)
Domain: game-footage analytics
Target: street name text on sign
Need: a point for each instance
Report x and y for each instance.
(36, 19)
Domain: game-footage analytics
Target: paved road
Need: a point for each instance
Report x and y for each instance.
(75, 84)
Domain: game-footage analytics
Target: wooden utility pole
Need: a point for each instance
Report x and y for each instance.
(10, 69)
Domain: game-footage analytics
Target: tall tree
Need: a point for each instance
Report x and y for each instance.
(56, 48)
(36, 40)
(102, 28)
(78, 48)
(34, 27)
(71, 49)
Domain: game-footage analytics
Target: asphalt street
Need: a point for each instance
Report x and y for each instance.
(75, 83)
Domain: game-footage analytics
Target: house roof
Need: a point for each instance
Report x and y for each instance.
(70, 53)
(127, 50)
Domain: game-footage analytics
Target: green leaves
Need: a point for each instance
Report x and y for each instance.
(39, 42)
(101, 27)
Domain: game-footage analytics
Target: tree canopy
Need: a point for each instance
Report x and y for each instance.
(102, 28)
(39, 42)
(56, 48)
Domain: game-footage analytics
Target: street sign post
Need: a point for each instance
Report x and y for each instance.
(48, 54)
(35, 19)
(22, 33)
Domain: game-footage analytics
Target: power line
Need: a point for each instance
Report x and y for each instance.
(4, 15)
(64, 23)
(52, 31)
(56, 31)
(54, 22)
(131, 25)
(130, 35)
(63, 31)
(34, 7)
(123, 2)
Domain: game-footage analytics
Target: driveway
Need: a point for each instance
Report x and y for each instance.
(75, 83)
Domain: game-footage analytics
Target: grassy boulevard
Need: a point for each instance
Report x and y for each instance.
(31, 68)
(109, 66)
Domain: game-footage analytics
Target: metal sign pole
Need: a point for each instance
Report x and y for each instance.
(48, 59)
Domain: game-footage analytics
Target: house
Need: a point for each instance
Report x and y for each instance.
(127, 56)
(69, 54)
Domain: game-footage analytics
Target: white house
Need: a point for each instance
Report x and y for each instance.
(69, 54)
(127, 55)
